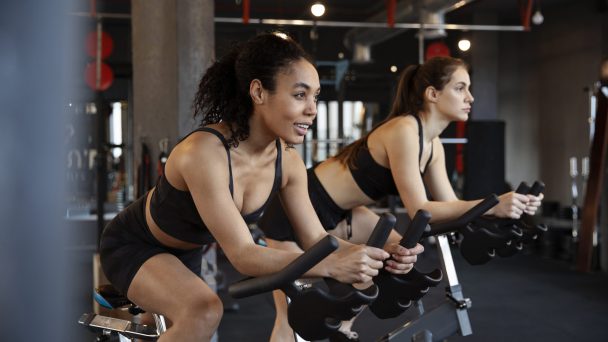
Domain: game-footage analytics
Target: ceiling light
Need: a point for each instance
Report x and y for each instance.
(317, 9)
(393, 68)
(538, 18)
(464, 44)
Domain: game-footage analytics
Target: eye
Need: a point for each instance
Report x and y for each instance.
(300, 96)
(316, 98)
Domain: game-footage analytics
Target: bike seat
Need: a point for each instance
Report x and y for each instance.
(109, 297)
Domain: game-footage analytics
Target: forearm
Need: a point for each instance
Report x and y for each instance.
(447, 211)
(324, 268)
(327, 266)
(257, 260)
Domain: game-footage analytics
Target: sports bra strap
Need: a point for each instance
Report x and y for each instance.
(225, 142)
(421, 142)
(420, 137)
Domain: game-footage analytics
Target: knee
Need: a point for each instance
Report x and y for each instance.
(203, 315)
(210, 310)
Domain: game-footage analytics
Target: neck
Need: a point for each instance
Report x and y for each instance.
(260, 138)
(432, 124)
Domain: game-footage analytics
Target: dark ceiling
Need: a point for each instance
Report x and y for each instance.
(400, 50)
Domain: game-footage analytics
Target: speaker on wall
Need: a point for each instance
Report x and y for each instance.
(484, 159)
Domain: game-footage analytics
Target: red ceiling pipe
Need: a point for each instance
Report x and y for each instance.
(391, 5)
(245, 11)
(526, 13)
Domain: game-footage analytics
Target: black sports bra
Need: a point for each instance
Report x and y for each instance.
(174, 210)
(375, 180)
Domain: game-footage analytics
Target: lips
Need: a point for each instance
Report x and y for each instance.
(302, 127)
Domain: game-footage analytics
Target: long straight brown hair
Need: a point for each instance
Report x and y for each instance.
(435, 72)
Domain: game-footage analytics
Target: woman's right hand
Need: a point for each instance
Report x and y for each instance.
(356, 263)
(510, 205)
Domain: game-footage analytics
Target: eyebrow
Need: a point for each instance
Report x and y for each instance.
(303, 85)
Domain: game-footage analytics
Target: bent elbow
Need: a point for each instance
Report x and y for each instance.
(242, 263)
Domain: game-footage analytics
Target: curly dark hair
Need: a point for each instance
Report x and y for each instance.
(414, 80)
(223, 92)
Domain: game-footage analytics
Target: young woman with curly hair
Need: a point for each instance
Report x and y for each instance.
(217, 179)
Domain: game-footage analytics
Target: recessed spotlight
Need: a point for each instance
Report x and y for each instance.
(317, 9)
(464, 44)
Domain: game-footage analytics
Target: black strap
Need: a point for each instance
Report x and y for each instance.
(349, 226)
(278, 168)
(428, 161)
(420, 137)
(421, 142)
(225, 142)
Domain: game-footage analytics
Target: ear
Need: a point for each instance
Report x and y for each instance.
(431, 94)
(256, 91)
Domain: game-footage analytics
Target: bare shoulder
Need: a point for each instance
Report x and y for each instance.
(197, 158)
(292, 164)
(199, 146)
(400, 129)
(404, 124)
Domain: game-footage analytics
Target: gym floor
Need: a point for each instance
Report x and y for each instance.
(536, 295)
(527, 297)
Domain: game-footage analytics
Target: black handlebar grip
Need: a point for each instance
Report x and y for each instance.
(473, 213)
(537, 188)
(291, 272)
(523, 188)
(383, 228)
(414, 232)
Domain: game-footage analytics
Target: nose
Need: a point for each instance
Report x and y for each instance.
(470, 97)
(311, 109)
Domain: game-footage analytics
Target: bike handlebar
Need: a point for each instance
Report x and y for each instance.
(417, 228)
(382, 230)
(252, 286)
(470, 215)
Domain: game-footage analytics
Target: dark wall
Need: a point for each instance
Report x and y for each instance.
(542, 75)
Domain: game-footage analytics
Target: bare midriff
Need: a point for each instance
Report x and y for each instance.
(160, 235)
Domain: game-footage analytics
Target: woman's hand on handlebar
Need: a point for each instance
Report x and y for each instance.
(356, 263)
(402, 259)
(534, 202)
(510, 205)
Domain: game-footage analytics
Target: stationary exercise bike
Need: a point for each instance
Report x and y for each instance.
(449, 318)
(113, 329)
(314, 313)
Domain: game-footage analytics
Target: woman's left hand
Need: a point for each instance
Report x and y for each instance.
(534, 202)
(402, 259)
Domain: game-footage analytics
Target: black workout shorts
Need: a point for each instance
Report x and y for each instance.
(126, 243)
(275, 224)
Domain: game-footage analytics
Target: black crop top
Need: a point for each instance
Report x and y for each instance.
(375, 180)
(174, 210)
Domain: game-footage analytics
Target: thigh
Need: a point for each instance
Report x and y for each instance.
(164, 285)
(363, 222)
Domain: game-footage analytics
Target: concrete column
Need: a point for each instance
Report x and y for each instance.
(196, 51)
(173, 43)
(484, 65)
(603, 229)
